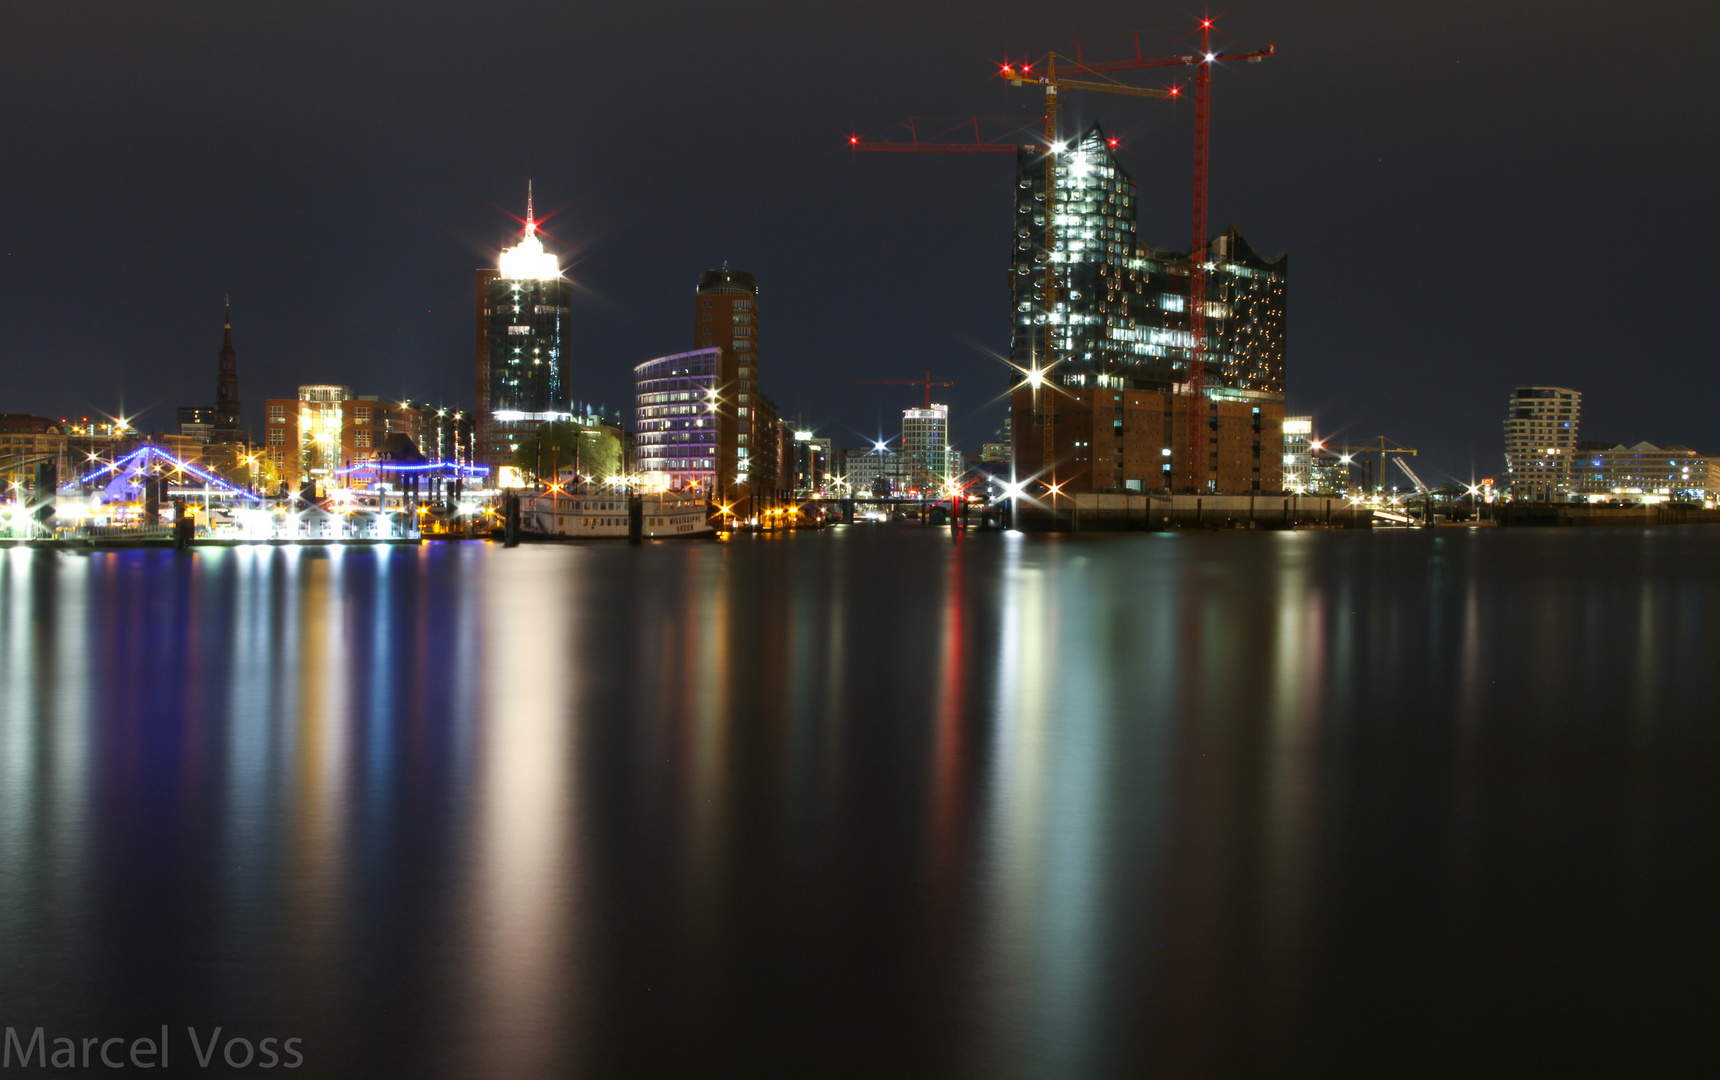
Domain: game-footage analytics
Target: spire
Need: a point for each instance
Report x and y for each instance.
(227, 421)
(531, 222)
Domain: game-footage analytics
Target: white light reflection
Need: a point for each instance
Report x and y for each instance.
(525, 833)
(1041, 923)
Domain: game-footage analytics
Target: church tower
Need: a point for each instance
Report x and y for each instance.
(228, 428)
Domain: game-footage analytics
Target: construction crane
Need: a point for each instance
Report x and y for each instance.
(925, 382)
(1202, 63)
(1386, 447)
(940, 136)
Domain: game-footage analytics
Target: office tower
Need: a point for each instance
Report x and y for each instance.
(812, 464)
(228, 428)
(925, 446)
(684, 435)
(1541, 442)
(523, 366)
(725, 316)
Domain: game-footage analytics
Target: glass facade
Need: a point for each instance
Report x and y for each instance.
(1121, 315)
(523, 376)
(925, 446)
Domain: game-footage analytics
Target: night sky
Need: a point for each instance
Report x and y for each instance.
(1472, 195)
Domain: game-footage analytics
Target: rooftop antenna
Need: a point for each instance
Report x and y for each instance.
(531, 223)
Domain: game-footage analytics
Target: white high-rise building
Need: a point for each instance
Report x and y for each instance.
(925, 446)
(1541, 442)
(1298, 456)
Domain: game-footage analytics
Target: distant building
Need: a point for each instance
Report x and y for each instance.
(196, 422)
(25, 442)
(925, 446)
(523, 363)
(1645, 473)
(811, 473)
(878, 471)
(1541, 442)
(998, 450)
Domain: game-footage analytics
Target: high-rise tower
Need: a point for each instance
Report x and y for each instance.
(523, 379)
(725, 317)
(1541, 441)
(227, 428)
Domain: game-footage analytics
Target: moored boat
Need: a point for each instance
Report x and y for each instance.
(559, 514)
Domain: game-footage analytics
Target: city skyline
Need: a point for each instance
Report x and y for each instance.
(1390, 336)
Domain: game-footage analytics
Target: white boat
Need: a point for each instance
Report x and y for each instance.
(557, 514)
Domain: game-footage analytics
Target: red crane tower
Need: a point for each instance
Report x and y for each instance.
(925, 382)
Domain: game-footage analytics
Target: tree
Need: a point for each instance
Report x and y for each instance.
(562, 444)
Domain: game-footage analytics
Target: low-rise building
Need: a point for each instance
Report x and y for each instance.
(1645, 473)
(328, 428)
(877, 471)
(25, 442)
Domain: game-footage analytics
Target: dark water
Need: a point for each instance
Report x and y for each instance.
(868, 803)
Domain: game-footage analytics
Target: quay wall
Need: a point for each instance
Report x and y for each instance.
(1096, 512)
(1557, 515)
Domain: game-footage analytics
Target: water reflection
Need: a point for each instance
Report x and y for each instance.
(869, 802)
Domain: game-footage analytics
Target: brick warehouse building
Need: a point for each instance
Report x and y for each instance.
(1136, 441)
